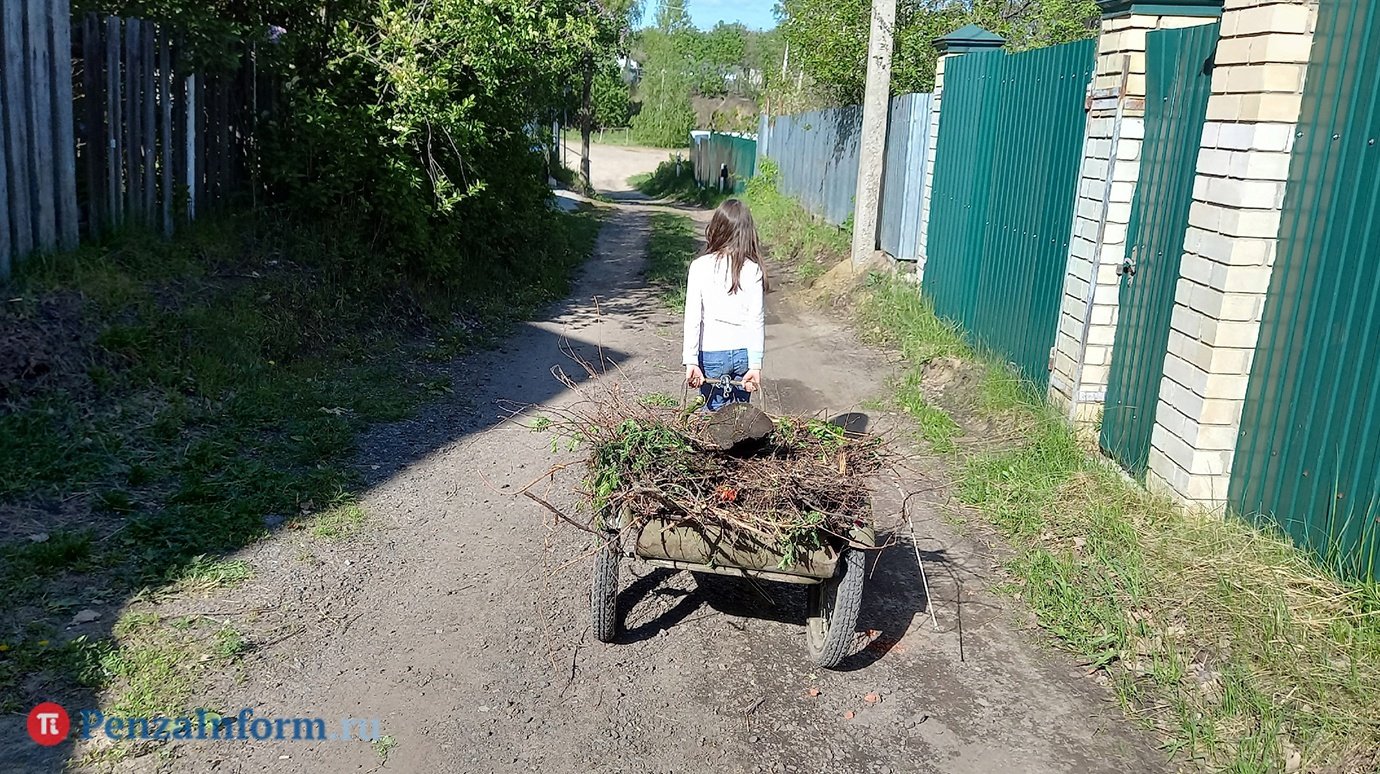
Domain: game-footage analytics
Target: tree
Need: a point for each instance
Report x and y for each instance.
(611, 97)
(666, 117)
(828, 38)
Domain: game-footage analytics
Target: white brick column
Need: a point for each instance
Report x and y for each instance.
(1107, 185)
(1229, 250)
(956, 43)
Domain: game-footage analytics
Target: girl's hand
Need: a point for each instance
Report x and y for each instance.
(694, 376)
(753, 381)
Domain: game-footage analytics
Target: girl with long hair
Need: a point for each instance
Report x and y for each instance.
(725, 324)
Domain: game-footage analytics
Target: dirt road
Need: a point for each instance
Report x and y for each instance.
(461, 622)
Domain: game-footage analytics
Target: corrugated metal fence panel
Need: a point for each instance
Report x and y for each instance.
(1010, 140)
(1179, 74)
(1307, 454)
(903, 184)
(817, 154)
(710, 154)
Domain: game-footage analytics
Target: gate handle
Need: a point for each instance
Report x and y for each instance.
(1127, 267)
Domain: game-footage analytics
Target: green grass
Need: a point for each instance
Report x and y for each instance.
(1227, 639)
(794, 237)
(676, 182)
(201, 393)
(1243, 653)
(339, 523)
(670, 250)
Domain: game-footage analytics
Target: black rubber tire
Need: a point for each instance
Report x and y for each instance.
(604, 592)
(831, 612)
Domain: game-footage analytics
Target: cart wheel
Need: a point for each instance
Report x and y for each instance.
(831, 614)
(604, 591)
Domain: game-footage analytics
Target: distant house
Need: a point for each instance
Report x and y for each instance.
(630, 69)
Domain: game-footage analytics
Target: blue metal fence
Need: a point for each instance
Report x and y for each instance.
(817, 153)
(903, 184)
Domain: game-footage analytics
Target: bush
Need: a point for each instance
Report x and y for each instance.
(408, 125)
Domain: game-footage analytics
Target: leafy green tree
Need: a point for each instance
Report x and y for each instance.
(408, 123)
(612, 23)
(612, 98)
(827, 39)
(665, 117)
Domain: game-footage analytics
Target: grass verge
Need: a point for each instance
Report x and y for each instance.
(670, 250)
(1245, 655)
(180, 400)
(1241, 652)
(795, 238)
(675, 180)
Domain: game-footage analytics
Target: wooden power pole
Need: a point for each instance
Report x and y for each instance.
(872, 149)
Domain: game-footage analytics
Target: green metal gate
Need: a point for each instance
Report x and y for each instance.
(1005, 183)
(1179, 80)
(1307, 455)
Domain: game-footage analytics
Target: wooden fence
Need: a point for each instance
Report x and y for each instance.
(38, 204)
(108, 125)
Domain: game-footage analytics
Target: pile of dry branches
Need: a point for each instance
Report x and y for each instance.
(647, 460)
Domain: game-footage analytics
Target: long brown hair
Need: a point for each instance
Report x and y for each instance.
(733, 235)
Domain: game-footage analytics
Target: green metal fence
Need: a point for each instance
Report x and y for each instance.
(1005, 183)
(1179, 80)
(1307, 455)
(715, 153)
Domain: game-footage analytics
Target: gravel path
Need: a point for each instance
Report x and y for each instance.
(461, 621)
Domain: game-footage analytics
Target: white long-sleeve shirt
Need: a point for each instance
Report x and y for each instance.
(716, 320)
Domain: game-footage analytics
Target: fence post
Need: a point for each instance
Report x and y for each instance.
(6, 251)
(40, 87)
(1110, 170)
(69, 221)
(961, 41)
(16, 115)
(1229, 251)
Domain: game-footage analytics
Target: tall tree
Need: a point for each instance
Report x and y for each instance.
(828, 38)
(613, 20)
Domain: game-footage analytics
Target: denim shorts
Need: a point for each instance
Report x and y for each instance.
(732, 363)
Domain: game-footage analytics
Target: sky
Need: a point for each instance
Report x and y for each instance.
(755, 14)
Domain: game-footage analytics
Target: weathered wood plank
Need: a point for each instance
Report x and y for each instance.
(65, 155)
(192, 108)
(16, 117)
(223, 140)
(166, 128)
(93, 125)
(134, 181)
(149, 123)
(40, 83)
(114, 132)
(6, 250)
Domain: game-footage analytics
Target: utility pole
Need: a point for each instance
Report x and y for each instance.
(872, 150)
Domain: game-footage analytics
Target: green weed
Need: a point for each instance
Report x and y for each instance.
(204, 573)
(659, 400)
(676, 182)
(383, 746)
(795, 238)
(339, 523)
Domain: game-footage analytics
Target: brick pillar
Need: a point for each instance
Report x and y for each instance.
(959, 42)
(1107, 186)
(1229, 250)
